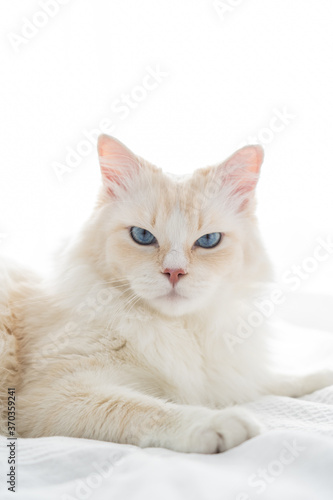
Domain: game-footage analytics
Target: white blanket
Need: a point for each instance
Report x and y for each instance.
(292, 460)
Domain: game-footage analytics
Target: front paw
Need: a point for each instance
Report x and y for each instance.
(296, 386)
(219, 431)
(234, 426)
(317, 380)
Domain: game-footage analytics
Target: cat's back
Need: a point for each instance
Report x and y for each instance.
(14, 283)
(16, 286)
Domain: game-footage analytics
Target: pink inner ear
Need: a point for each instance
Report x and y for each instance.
(116, 160)
(243, 167)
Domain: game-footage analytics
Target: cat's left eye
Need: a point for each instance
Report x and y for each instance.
(209, 240)
(142, 236)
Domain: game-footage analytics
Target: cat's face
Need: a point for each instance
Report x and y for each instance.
(179, 242)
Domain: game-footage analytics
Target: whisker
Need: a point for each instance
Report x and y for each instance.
(116, 284)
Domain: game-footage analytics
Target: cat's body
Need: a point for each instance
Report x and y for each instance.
(135, 343)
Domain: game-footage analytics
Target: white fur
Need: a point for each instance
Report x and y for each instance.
(108, 350)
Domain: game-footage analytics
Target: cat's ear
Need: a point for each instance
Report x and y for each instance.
(243, 167)
(117, 162)
(237, 176)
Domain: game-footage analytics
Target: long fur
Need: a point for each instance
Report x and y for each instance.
(102, 350)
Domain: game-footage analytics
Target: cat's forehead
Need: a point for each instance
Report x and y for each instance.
(175, 203)
(175, 196)
(177, 178)
(189, 194)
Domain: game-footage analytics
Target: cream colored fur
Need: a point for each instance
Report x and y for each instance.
(108, 349)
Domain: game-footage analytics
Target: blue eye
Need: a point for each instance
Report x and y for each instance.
(142, 236)
(209, 240)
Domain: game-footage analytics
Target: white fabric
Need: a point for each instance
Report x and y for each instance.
(295, 456)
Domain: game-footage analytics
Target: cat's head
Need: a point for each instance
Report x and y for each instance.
(178, 242)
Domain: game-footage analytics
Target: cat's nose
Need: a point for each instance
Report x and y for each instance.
(174, 275)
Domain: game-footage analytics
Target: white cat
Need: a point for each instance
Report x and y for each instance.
(130, 341)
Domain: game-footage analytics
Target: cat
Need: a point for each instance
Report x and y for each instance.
(129, 340)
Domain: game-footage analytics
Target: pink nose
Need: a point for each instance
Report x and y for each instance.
(174, 275)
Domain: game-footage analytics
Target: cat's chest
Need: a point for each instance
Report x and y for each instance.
(173, 362)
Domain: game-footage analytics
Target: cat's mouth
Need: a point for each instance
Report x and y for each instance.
(173, 295)
(173, 303)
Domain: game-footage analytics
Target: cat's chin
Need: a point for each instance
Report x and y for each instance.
(174, 304)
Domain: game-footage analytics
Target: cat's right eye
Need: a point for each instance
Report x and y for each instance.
(142, 236)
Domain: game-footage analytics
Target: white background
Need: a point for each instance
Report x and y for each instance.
(229, 69)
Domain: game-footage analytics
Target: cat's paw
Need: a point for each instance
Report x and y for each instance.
(299, 385)
(220, 431)
(316, 381)
(234, 426)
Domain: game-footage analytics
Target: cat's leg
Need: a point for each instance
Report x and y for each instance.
(8, 363)
(299, 385)
(122, 415)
